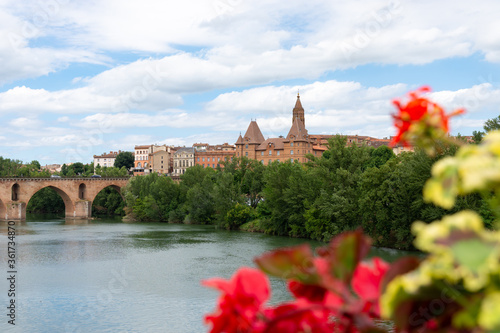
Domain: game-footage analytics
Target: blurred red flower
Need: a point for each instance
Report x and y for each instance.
(419, 110)
(241, 301)
(367, 281)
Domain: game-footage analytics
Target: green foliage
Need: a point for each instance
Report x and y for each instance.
(108, 202)
(47, 200)
(124, 159)
(492, 124)
(78, 168)
(237, 216)
(15, 168)
(64, 170)
(153, 198)
(111, 171)
(380, 156)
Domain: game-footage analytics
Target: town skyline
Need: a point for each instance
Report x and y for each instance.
(79, 80)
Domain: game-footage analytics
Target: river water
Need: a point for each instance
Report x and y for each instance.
(109, 276)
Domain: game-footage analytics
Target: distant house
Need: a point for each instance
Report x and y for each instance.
(183, 159)
(106, 159)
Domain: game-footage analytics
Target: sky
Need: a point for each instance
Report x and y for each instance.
(80, 78)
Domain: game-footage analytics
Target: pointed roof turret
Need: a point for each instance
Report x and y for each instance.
(297, 131)
(298, 110)
(240, 140)
(253, 134)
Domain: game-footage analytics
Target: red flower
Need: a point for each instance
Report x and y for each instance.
(241, 301)
(419, 110)
(366, 282)
(299, 316)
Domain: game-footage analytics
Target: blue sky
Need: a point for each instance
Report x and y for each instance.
(82, 78)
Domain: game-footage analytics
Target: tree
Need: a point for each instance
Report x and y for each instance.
(477, 137)
(36, 165)
(124, 159)
(380, 156)
(492, 124)
(64, 170)
(78, 168)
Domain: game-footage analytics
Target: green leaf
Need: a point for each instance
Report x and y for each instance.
(472, 253)
(290, 263)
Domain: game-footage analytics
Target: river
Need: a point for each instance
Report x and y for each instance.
(108, 276)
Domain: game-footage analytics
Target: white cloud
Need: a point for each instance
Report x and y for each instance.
(248, 43)
(25, 123)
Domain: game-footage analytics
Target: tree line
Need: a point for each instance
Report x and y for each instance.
(349, 187)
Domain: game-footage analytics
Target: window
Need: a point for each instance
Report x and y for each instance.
(246, 154)
(203, 159)
(213, 166)
(213, 159)
(270, 152)
(261, 153)
(218, 159)
(291, 160)
(262, 161)
(291, 152)
(291, 144)
(198, 159)
(278, 153)
(246, 146)
(278, 161)
(298, 144)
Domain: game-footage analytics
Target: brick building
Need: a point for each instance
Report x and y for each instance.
(293, 147)
(297, 144)
(213, 156)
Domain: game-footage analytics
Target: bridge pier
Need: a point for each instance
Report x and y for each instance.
(83, 210)
(15, 211)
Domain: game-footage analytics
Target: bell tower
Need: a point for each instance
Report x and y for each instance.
(298, 110)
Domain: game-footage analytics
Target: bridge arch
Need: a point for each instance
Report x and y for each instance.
(108, 201)
(100, 189)
(69, 206)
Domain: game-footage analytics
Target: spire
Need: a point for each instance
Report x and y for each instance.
(298, 110)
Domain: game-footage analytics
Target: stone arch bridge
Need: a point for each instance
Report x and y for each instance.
(77, 194)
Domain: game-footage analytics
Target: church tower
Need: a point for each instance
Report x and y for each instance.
(298, 111)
